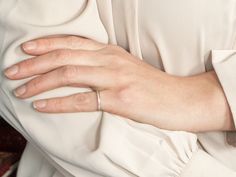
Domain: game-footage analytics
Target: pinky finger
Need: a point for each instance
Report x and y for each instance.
(82, 102)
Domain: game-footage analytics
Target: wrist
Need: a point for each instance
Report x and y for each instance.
(208, 104)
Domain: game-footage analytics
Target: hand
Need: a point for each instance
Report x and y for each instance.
(128, 86)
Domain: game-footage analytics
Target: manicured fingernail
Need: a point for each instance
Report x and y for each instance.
(20, 91)
(12, 70)
(39, 104)
(30, 45)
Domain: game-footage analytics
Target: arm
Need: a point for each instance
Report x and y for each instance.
(208, 102)
(194, 103)
(88, 143)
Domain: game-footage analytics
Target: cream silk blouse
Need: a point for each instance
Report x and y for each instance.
(181, 37)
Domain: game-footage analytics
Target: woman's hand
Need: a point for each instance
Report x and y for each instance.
(128, 86)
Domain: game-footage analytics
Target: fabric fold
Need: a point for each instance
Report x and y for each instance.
(224, 63)
(96, 144)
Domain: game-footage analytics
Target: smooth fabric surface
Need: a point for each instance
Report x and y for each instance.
(183, 38)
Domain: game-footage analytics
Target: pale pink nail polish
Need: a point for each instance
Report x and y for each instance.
(39, 104)
(20, 91)
(30, 45)
(12, 70)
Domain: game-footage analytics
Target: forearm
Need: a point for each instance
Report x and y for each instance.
(207, 103)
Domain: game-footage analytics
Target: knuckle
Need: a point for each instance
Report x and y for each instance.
(112, 46)
(62, 54)
(77, 42)
(81, 100)
(48, 43)
(28, 64)
(83, 53)
(72, 41)
(68, 73)
(57, 105)
(112, 59)
(115, 57)
(34, 85)
(115, 47)
(124, 95)
(123, 76)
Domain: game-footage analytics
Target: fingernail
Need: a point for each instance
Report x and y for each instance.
(30, 45)
(39, 104)
(20, 91)
(12, 70)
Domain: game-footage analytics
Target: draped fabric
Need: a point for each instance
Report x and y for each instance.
(183, 38)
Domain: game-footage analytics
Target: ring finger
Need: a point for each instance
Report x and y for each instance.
(82, 102)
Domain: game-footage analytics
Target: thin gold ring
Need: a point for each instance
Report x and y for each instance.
(99, 107)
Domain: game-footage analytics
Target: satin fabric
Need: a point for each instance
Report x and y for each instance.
(183, 38)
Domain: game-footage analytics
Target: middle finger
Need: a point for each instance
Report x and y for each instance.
(97, 77)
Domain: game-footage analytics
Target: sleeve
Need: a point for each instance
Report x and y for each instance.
(99, 143)
(224, 63)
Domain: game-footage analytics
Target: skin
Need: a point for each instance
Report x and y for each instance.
(128, 86)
